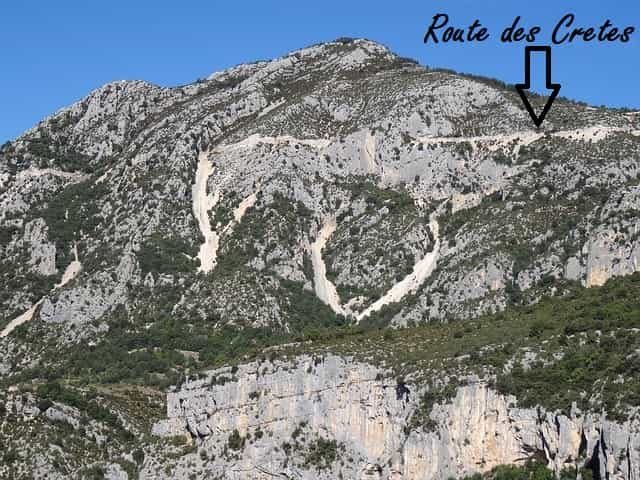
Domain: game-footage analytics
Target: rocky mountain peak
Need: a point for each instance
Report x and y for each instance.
(347, 52)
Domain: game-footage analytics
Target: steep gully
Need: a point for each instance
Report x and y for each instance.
(203, 202)
(325, 290)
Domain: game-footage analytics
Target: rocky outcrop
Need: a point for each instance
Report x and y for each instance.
(47, 455)
(607, 256)
(329, 397)
(43, 252)
(368, 413)
(481, 429)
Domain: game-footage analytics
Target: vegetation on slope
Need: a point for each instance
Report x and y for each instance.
(581, 346)
(532, 470)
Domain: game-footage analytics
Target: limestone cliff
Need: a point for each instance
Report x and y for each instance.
(368, 415)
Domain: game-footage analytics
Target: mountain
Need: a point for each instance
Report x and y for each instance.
(335, 264)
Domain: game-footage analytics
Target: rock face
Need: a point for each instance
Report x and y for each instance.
(481, 429)
(609, 252)
(368, 415)
(328, 397)
(43, 253)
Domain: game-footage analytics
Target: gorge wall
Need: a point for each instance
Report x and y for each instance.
(368, 415)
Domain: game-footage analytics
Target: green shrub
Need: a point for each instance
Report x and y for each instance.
(235, 441)
(160, 254)
(321, 454)
(532, 470)
(70, 212)
(138, 456)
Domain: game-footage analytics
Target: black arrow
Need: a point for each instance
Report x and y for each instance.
(523, 87)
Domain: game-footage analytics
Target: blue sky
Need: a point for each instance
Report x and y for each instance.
(54, 53)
